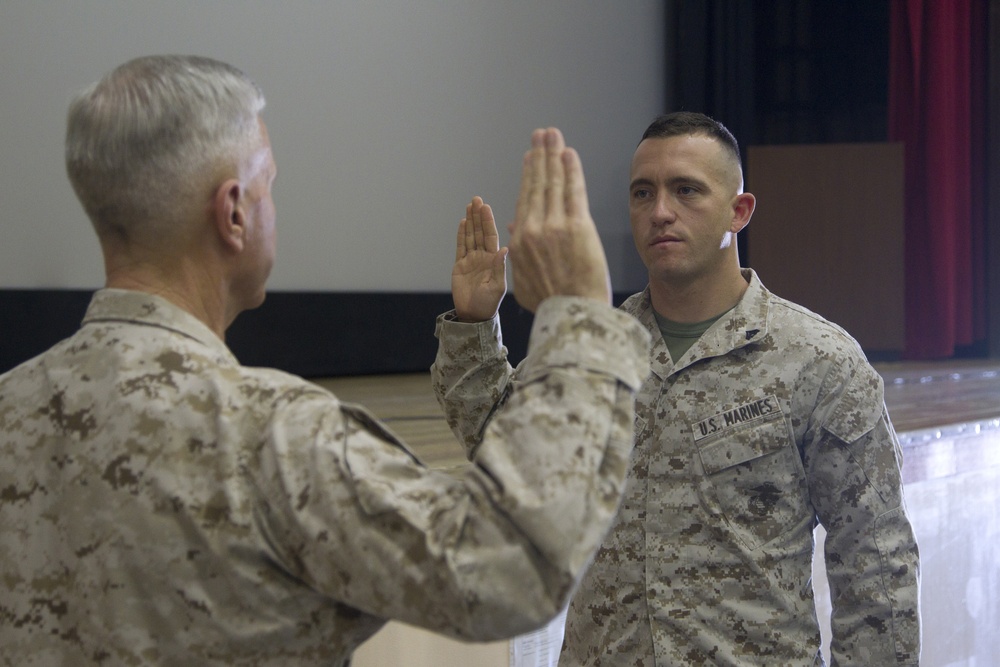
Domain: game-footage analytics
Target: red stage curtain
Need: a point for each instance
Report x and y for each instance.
(937, 74)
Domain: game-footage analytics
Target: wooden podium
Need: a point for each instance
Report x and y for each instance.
(828, 234)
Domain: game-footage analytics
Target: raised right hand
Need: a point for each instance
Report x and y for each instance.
(554, 245)
(478, 279)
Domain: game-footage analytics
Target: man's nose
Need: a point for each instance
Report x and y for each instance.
(663, 210)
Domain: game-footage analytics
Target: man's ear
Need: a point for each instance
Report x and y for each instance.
(743, 207)
(228, 215)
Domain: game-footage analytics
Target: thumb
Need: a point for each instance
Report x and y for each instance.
(500, 260)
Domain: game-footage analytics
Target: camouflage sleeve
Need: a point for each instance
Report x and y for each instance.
(871, 553)
(495, 553)
(470, 376)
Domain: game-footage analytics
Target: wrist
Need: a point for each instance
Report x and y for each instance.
(470, 319)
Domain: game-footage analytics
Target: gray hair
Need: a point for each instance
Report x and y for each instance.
(142, 142)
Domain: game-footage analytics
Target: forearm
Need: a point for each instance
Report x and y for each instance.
(875, 617)
(470, 376)
(556, 492)
(497, 552)
(872, 561)
(554, 460)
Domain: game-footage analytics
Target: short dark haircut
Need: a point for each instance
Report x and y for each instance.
(682, 123)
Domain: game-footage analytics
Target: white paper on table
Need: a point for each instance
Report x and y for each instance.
(541, 647)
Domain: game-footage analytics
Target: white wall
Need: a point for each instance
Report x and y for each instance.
(386, 116)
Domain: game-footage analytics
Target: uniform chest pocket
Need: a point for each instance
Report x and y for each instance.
(755, 475)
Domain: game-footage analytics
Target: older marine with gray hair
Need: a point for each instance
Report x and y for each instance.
(160, 504)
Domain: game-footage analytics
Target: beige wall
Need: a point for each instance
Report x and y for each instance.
(386, 116)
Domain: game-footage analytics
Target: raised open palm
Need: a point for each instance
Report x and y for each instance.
(478, 279)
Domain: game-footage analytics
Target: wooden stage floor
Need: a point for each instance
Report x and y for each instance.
(921, 397)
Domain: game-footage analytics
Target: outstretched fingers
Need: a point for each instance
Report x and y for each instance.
(531, 198)
(555, 177)
(576, 202)
(484, 226)
(555, 247)
(462, 243)
(477, 231)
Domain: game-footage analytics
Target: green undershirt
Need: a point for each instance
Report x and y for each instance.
(680, 336)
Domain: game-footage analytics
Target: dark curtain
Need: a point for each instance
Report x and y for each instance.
(712, 57)
(937, 108)
(710, 47)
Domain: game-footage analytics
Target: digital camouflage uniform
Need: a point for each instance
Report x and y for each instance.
(162, 505)
(771, 422)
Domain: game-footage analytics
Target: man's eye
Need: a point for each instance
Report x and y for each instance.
(641, 194)
(686, 190)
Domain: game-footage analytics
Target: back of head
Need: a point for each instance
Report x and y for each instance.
(142, 142)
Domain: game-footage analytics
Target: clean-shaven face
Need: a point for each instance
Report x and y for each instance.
(681, 196)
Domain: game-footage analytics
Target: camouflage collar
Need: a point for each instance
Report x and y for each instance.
(142, 308)
(746, 323)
